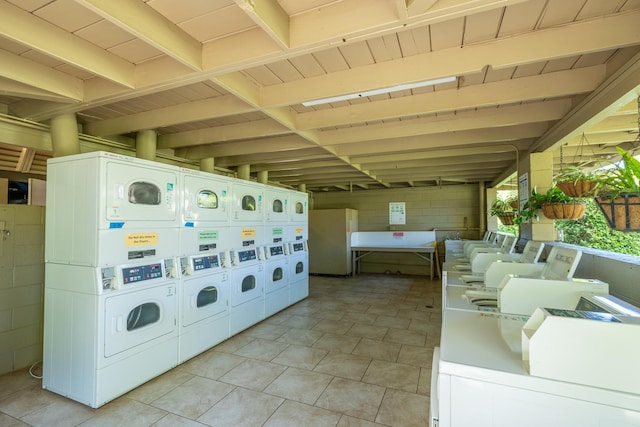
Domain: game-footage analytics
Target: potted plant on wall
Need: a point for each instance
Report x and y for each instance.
(505, 209)
(619, 198)
(553, 204)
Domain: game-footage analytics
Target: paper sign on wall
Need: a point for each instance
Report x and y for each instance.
(397, 213)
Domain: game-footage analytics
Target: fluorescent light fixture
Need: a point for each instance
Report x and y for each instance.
(380, 91)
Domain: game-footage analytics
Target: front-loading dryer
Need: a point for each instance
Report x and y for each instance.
(109, 209)
(248, 202)
(299, 206)
(246, 307)
(276, 293)
(299, 272)
(206, 204)
(204, 304)
(108, 330)
(276, 204)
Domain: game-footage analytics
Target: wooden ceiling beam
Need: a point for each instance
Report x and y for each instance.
(141, 20)
(269, 16)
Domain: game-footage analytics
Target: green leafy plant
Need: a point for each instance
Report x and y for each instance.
(501, 206)
(536, 201)
(576, 182)
(624, 177)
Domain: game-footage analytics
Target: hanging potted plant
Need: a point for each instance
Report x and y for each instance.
(504, 209)
(553, 204)
(575, 182)
(619, 198)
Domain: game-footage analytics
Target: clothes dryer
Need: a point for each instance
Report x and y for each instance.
(277, 273)
(205, 212)
(246, 306)
(108, 209)
(299, 271)
(276, 205)
(204, 304)
(248, 202)
(299, 206)
(108, 330)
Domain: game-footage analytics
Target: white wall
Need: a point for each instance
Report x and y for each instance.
(451, 210)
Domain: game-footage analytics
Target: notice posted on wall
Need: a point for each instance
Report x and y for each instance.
(397, 213)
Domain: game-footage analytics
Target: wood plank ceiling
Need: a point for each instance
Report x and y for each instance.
(226, 79)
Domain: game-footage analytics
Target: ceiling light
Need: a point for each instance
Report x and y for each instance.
(380, 91)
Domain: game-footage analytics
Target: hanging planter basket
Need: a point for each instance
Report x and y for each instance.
(622, 212)
(577, 188)
(507, 218)
(573, 210)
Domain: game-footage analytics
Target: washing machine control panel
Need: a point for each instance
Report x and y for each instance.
(206, 262)
(141, 273)
(298, 247)
(276, 250)
(248, 255)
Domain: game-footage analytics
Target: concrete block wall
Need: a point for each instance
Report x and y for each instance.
(21, 287)
(452, 210)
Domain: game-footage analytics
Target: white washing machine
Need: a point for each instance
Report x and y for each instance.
(99, 203)
(108, 330)
(276, 294)
(204, 303)
(206, 204)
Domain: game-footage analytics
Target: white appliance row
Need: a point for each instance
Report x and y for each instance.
(147, 265)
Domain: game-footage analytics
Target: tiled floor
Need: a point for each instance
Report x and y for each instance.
(357, 352)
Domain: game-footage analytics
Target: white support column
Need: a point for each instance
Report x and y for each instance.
(263, 177)
(302, 187)
(64, 135)
(539, 167)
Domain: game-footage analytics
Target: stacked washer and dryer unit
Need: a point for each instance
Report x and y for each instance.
(148, 265)
(298, 236)
(111, 279)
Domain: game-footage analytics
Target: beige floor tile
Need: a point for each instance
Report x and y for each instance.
(261, 349)
(295, 414)
(360, 317)
(352, 398)
(337, 327)
(405, 336)
(344, 365)
(329, 315)
(301, 322)
(340, 343)
(234, 343)
(28, 400)
(382, 310)
(241, 408)
(416, 356)
(368, 331)
(377, 349)
(424, 385)
(266, 331)
(16, 381)
(253, 374)
(61, 413)
(194, 397)
(400, 408)
(159, 386)
(7, 421)
(125, 412)
(394, 375)
(212, 364)
(304, 337)
(347, 421)
(300, 385)
(300, 357)
(173, 420)
(392, 322)
(300, 310)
